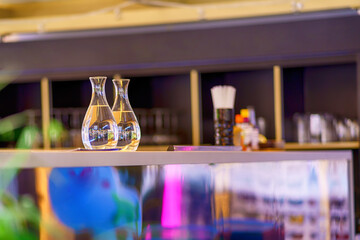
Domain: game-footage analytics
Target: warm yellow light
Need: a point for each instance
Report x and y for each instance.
(69, 15)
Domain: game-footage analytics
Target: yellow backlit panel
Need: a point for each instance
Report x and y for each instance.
(64, 15)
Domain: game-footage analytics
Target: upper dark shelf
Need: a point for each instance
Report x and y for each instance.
(206, 46)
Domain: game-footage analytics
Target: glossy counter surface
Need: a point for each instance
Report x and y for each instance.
(176, 195)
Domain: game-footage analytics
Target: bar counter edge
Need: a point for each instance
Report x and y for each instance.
(70, 158)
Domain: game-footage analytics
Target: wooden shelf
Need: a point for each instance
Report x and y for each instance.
(153, 148)
(321, 146)
(287, 146)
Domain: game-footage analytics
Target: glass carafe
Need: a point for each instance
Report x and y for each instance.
(99, 129)
(129, 129)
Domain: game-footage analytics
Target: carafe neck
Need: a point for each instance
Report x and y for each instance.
(121, 100)
(98, 91)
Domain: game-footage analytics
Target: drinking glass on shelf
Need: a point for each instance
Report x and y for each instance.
(302, 131)
(327, 128)
(315, 127)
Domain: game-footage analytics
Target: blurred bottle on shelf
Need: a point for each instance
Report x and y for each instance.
(71, 119)
(315, 128)
(261, 123)
(159, 126)
(238, 137)
(242, 132)
(255, 129)
(247, 130)
(32, 124)
(245, 133)
(327, 128)
(302, 130)
(251, 115)
(323, 128)
(347, 129)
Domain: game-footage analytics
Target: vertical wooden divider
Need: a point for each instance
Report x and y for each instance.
(45, 111)
(278, 103)
(195, 107)
(49, 225)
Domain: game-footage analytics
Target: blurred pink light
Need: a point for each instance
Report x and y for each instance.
(171, 208)
(148, 233)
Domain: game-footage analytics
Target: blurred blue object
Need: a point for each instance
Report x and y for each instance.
(93, 199)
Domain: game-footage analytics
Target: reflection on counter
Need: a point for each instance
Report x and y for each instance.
(264, 200)
(94, 200)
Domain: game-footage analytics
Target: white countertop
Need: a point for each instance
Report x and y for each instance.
(71, 158)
